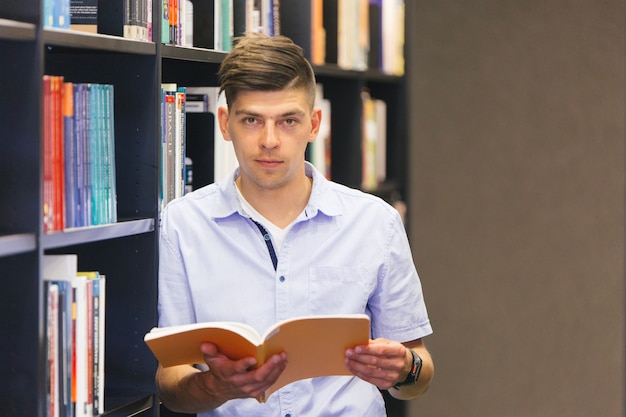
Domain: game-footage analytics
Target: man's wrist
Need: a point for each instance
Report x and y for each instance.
(414, 371)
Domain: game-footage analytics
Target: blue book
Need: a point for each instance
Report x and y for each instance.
(48, 13)
(62, 14)
(69, 154)
(110, 189)
(79, 146)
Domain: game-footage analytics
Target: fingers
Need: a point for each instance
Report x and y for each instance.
(380, 363)
(240, 378)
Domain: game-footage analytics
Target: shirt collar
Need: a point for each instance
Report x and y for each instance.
(321, 200)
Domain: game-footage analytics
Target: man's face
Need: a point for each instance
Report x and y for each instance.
(270, 131)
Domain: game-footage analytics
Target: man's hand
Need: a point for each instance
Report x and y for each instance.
(186, 389)
(385, 363)
(229, 379)
(382, 362)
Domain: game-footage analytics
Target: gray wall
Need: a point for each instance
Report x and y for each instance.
(517, 204)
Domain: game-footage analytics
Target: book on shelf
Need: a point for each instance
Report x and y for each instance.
(173, 21)
(318, 33)
(173, 154)
(84, 15)
(374, 141)
(352, 34)
(53, 380)
(136, 20)
(95, 296)
(186, 20)
(131, 19)
(380, 161)
(315, 345)
(223, 25)
(56, 14)
(304, 24)
(79, 154)
(176, 21)
(53, 170)
(75, 337)
(393, 16)
(320, 149)
(69, 152)
(165, 21)
(101, 155)
(168, 146)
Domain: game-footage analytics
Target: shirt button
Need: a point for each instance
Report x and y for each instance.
(282, 278)
(267, 236)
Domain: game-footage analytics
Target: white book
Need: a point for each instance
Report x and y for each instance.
(320, 148)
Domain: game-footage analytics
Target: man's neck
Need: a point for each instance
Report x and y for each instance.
(280, 206)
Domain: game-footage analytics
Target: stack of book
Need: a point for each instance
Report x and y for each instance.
(75, 333)
(173, 132)
(130, 19)
(79, 154)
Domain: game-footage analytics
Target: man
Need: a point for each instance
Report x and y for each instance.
(278, 240)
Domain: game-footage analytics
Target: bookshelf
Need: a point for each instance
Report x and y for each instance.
(127, 251)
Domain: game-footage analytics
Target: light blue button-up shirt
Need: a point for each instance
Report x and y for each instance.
(346, 253)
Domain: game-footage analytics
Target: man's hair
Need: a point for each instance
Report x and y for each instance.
(265, 63)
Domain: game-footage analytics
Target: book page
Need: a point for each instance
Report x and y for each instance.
(316, 346)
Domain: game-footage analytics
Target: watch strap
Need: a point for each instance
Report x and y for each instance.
(414, 373)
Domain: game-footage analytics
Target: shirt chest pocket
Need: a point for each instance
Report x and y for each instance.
(340, 290)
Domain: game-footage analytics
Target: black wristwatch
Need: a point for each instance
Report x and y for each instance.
(414, 373)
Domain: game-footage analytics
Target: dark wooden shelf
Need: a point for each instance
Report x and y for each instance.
(16, 244)
(19, 31)
(96, 233)
(96, 42)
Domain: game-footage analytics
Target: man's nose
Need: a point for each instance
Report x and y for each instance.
(269, 137)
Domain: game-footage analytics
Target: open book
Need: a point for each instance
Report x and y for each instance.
(315, 345)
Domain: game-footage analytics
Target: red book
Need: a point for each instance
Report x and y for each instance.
(48, 204)
(58, 151)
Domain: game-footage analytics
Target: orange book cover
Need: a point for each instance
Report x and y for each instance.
(318, 33)
(315, 345)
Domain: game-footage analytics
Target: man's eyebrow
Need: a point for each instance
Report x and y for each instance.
(246, 112)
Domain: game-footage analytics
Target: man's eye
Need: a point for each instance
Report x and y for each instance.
(290, 122)
(249, 120)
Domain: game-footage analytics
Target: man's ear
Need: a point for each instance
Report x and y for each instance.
(222, 119)
(316, 121)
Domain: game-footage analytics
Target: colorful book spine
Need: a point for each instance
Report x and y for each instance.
(69, 154)
(53, 181)
(75, 334)
(79, 154)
